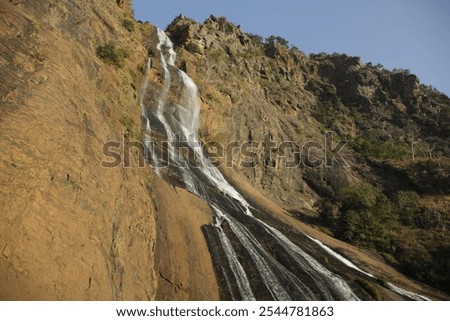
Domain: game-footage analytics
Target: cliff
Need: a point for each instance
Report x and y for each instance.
(74, 227)
(70, 228)
(349, 127)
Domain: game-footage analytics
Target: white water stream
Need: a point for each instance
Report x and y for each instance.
(179, 116)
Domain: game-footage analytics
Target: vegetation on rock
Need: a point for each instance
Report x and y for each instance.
(364, 216)
(371, 289)
(128, 25)
(112, 54)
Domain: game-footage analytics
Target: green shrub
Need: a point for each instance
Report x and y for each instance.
(327, 211)
(365, 215)
(225, 25)
(128, 24)
(148, 182)
(371, 147)
(384, 283)
(406, 207)
(370, 288)
(295, 49)
(130, 125)
(271, 40)
(359, 197)
(401, 70)
(193, 47)
(112, 55)
(327, 113)
(256, 39)
(360, 214)
(415, 261)
(216, 55)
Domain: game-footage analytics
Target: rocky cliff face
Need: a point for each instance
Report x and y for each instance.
(265, 93)
(67, 228)
(261, 88)
(73, 229)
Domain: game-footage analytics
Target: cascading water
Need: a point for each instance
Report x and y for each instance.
(244, 245)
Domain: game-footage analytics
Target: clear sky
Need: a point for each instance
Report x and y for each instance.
(409, 34)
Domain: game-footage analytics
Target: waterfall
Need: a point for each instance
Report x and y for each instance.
(249, 267)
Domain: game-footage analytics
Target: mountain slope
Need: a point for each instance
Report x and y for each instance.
(72, 228)
(67, 230)
(396, 132)
(75, 227)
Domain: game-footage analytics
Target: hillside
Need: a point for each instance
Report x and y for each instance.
(76, 79)
(397, 134)
(70, 228)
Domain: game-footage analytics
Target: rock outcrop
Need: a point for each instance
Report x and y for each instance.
(266, 92)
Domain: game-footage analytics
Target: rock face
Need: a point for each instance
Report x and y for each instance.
(70, 229)
(267, 88)
(74, 228)
(265, 93)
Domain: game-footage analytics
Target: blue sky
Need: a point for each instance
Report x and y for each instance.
(409, 34)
